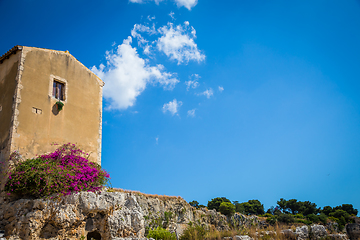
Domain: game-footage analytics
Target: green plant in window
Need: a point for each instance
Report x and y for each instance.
(59, 105)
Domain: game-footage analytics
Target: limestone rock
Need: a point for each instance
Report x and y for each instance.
(302, 233)
(338, 236)
(353, 230)
(318, 231)
(243, 237)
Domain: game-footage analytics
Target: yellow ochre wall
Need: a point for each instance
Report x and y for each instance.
(38, 123)
(8, 74)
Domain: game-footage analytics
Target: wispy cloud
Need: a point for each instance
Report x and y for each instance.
(208, 93)
(193, 82)
(172, 107)
(191, 113)
(221, 88)
(150, 18)
(180, 3)
(178, 43)
(127, 75)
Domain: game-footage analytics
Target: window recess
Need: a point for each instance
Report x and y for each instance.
(59, 90)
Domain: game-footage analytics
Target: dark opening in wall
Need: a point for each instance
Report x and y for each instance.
(95, 235)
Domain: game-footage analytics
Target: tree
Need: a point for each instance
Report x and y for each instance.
(273, 210)
(307, 208)
(294, 206)
(282, 204)
(327, 210)
(250, 207)
(215, 203)
(347, 208)
(227, 208)
(194, 204)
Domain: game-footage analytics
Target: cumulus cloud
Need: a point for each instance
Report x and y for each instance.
(191, 113)
(180, 3)
(208, 93)
(177, 42)
(221, 88)
(127, 75)
(193, 82)
(172, 107)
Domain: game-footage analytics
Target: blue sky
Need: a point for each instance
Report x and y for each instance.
(242, 99)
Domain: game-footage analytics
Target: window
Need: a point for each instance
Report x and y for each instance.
(59, 90)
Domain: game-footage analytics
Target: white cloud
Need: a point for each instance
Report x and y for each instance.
(186, 3)
(126, 76)
(150, 18)
(180, 3)
(208, 93)
(172, 107)
(178, 43)
(193, 82)
(221, 88)
(157, 140)
(171, 14)
(140, 28)
(143, 1)
(191, 113)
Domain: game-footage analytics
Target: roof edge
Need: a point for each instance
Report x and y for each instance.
(11, 51)
(20, 48)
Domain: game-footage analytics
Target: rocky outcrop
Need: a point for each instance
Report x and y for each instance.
(318, 231)
(111, 215)
(353, 229)
(314, 231)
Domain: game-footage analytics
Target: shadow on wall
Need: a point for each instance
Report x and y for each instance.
(95, 235)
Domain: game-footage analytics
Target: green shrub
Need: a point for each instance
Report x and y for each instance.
(323, 218)
(313, 218)
(271, 220)
(227, 208)
(286, 218)
(161, 233)
(193, 233)
(307, 222)
(267, 215)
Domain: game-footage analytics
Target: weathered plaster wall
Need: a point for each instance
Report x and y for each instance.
(8, 83)
(39, 124)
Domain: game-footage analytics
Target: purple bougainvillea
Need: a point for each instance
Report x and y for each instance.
(64, 171)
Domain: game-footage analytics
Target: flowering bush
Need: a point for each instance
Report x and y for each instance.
(64, 171)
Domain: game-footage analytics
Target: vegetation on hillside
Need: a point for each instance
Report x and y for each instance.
(286, 212)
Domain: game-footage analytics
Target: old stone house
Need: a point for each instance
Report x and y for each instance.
(34, 83)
